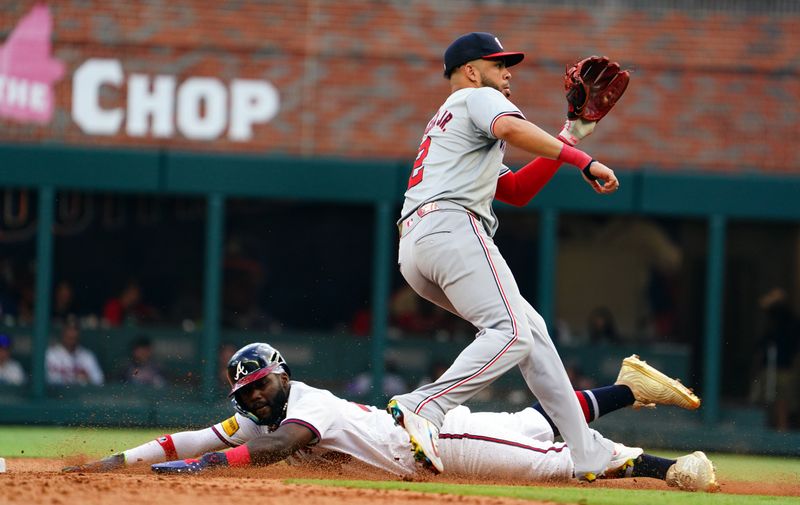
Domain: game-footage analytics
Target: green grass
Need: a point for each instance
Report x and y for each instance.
(583, 496)
(56, 442)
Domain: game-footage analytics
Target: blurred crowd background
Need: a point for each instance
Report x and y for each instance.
(714, 96)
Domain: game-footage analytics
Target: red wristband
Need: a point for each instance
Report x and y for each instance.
(168, 445)
(238, 456)
(574, 156)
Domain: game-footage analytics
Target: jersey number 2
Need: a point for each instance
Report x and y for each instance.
(419, 167)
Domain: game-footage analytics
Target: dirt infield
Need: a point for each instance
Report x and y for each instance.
(39, 482)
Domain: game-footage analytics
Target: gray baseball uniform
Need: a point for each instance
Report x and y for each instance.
(448, 256)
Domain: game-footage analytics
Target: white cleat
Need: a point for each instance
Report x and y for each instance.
(424, 436)
(651, 387)
(621, 464)
(622, 460)
(693, 472)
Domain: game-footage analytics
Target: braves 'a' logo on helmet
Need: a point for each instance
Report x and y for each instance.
(241, 370)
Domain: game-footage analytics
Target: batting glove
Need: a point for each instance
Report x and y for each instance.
(575, 130)
(207, 460)
(104, 465)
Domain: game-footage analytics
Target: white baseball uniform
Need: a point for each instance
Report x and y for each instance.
(77, 367)
(496, 445)
(448, 256)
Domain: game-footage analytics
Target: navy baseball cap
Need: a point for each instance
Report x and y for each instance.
(5, 341)
(475, 46)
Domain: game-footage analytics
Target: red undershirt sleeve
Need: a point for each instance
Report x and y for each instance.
(518, 188)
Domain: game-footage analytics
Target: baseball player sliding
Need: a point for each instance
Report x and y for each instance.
(447, 253)
(278, 418)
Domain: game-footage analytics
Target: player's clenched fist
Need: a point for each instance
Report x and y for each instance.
(600, 178)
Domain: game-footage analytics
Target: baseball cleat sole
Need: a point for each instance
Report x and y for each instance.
(651, 387)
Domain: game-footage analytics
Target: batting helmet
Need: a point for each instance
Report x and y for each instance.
(250, 363)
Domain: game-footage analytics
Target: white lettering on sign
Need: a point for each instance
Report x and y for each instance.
(86, 84)
(194, 95)
(22, 93)
(251, 102)
(150, 103)
(200, 108)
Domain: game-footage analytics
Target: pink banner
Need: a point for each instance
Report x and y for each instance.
(28, 70)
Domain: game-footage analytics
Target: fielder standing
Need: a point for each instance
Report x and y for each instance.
(448, 256)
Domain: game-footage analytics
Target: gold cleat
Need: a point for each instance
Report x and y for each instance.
(651, 387)
(693, 472)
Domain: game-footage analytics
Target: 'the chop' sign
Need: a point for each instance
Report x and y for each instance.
(200, 108)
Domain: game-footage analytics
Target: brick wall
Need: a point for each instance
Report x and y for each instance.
(711, 90)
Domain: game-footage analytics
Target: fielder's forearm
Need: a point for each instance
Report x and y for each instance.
(518, 188)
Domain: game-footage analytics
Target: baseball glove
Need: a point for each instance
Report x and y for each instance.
(593, 86)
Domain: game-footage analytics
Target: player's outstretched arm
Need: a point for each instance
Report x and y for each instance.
(529, 137)
(168, 447)
(261, 451)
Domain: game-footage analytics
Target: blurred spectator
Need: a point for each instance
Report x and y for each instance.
(11, 371)
(393, 383)
(435, 370)
(410, 313)
(63, 302)
(601, 327)
(577, 378)
(69, 363)
(8, 303)
(243, 283)
(187, 307)
(127, 307)
(142, 369)
(778, 357)
(643, 299)
(361, 324)
(561, 333)
(27, 294)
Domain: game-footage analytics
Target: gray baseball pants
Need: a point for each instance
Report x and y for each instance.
(447, 258)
